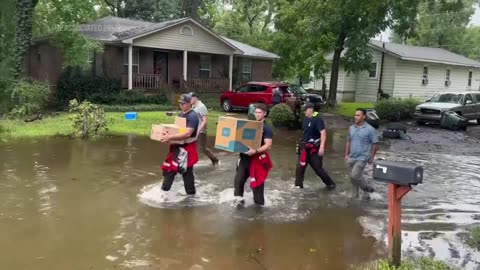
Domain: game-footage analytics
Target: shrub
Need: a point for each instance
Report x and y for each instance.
(6, 88)
(136, 108)
(76, 84)
(28, 98)
(473, 238)
(409, 264)
(88, 119)
(127, 98)
(282, 116)
(212, 102)
(396, 109)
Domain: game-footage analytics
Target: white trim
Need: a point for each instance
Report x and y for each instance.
(130, 75)
(186, 27)
(376, 71)
(185, 64)
(230, 71)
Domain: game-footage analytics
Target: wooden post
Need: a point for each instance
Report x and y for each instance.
(395, 195)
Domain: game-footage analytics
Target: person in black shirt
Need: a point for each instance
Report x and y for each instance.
(255, 163)
(312, 148)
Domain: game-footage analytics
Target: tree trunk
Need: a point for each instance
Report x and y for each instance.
(332, 93)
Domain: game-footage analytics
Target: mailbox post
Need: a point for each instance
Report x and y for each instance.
(400, 178)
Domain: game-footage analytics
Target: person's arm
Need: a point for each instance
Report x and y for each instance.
(347, 146)
(374, 140)
(203, 123)
(323, 136)
(192, 125)
(267, 140)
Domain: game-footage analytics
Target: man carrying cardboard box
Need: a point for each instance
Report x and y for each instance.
(182, 157)
(255, 163)
(202, 112)
(312, 148)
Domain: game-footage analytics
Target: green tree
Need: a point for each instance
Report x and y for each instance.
(23, 33)
(60, 19)
(315, 28)
(471, 43)
(7, 36)
(443, 24)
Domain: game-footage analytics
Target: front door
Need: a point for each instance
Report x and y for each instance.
(160, 65)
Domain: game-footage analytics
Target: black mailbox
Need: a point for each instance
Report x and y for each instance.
(397, 172)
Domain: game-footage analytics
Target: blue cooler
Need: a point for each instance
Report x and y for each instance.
(131, 116)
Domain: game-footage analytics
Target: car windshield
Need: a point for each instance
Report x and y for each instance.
(298, 89)
(447, 98)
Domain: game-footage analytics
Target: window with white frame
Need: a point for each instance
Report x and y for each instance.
(372, 71)
(470, 76)
(447, 77)
(135, 60)
(246, 70)
(205, 65)
(186, 30)
(425, 75)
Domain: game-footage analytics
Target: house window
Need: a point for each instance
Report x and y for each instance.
(425, 76)
(470, 75)
(186, 30)
(135, 60)
(91, 58)
(447, 77)
(246, 70)
(372, 71)
(205, 66)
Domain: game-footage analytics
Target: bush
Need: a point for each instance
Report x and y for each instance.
(282, 116)
(88, 119)
(75, 84)
(136, 108)
(6, 88)
(212, 102)
(396, 109)
(127, 98)
(409, 264)
(473, 238)
(28, 98)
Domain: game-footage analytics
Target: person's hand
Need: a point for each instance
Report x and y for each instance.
(346, 158)
(321, 151)
(166, 138)
(250, 152)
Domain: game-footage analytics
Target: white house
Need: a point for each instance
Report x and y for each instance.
(405, 71)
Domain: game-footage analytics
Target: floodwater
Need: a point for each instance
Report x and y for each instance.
(72, 204)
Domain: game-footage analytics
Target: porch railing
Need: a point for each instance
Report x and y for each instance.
(155, 81)
(144, 81)
(209, 84)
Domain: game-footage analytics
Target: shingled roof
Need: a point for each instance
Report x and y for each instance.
(114, 30)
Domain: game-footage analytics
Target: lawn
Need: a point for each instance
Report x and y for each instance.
(61, 125)
(348, 108)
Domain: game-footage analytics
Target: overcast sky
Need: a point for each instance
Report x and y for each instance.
(475, 21)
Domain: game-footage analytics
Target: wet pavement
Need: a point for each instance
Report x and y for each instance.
(71, 204)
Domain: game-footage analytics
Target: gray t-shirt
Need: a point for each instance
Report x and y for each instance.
(361, 140)
(201, 111)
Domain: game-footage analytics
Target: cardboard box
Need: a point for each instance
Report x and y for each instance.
(179, 126)
(236, 135)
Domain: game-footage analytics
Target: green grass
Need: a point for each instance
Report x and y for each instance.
(348, 108)
(61, 125)
(407, 264)
(473, 238)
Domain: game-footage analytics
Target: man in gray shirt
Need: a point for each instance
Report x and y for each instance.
(202, 112)
(361, 147)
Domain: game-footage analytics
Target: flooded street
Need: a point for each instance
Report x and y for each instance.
(71, 204)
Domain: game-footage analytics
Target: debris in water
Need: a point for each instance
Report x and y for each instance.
(111, 258)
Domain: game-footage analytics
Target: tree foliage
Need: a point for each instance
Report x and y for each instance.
(7, 37)
(23, 34)
(312, 29)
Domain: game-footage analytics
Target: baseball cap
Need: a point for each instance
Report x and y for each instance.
(185, 98)
(308, 105)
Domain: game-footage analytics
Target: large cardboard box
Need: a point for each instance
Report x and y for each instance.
(236, 135)
(179, 126)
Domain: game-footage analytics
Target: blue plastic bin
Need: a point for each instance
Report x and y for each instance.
(131, 116)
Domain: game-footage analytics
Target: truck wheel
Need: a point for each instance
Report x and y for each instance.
(226, 105)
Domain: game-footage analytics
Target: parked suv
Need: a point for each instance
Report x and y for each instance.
(466, 104)
(253, 92)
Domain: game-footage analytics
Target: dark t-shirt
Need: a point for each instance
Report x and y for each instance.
(192, 121)
(312, 127)
(267, 132)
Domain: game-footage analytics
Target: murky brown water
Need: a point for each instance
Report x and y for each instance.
(70, 204)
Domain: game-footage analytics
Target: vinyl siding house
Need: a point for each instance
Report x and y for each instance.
(404, 71)
(173, 55)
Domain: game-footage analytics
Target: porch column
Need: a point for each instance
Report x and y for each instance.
(230, 72)
(130, 69)
(185, 54)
